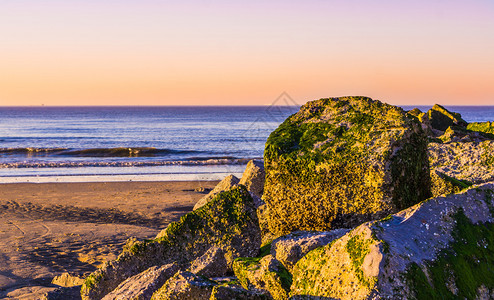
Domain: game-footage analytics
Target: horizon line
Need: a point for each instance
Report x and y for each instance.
(208, 105)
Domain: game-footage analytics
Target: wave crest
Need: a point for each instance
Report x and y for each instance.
(96, 152)
(196, 162)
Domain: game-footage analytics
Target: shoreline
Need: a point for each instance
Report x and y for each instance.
(176, 177)
(51, 228)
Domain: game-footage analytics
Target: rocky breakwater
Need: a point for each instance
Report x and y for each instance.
(203, 244)
(442, 248)
(228, 222)
(341, 161)
(460, 153)
(337, 164)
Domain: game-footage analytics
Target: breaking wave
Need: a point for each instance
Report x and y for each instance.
(190, 162)
(95, 152)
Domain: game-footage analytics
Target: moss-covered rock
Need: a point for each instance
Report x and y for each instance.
(416, 112)
(341, 161)
(461, 134)
(289, 249)
(442, 248)
(440, 118)
(424, 121)
(226, 184)
(263, 274)
(442, 184)
(185, 285)
(229, 222)
(487, 127)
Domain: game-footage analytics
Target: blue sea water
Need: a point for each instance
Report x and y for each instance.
(46, 144)
(40, 144)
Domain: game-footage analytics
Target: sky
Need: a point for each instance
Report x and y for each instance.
(245, 52)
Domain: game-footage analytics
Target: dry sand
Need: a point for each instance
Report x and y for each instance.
(47, 229)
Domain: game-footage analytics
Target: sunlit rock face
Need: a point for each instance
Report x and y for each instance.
(341, 161)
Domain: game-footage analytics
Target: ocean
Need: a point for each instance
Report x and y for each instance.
(70, 144)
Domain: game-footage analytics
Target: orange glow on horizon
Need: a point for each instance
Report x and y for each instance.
(229, 54)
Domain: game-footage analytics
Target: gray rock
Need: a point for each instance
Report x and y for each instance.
(291, 248)
(471, 161)
(185, 285)
(226, 184)
(210, 264)
(143, 285)
(63, 293)
(229, 222)
(431, 248)
(253, 178)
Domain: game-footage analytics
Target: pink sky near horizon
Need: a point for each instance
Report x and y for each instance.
(235, 53)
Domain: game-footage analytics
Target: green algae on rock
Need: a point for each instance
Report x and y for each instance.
(263, 274)
(228, 221)
(226, 184)
(463, 270)
(429, 251)
(291, 248)
(486, 127)
(341, 161)
(440, 118)
(442, 184)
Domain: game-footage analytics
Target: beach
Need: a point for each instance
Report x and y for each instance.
(47, 229)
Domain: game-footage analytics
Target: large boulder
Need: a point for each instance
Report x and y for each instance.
(228, 222)
(253, 178)
(442, 248)
(289, 249)
(226, 184)
(467, 161)
(341, 161)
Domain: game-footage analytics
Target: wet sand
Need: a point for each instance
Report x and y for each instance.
(47, 229)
